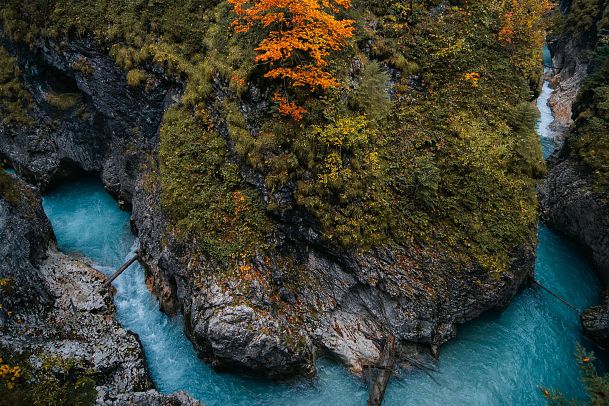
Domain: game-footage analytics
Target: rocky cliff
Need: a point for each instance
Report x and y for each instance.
(340, 303)
(573, 197)
(278, 319)
(58, 335)
(87, 117)
(298, 292)
(570, 204)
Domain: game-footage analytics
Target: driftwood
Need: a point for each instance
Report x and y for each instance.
(384, 370)
(122, 269)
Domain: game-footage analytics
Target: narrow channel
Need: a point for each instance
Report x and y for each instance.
(501, 358)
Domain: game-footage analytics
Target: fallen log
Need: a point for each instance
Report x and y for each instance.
(384, 369)
(122, 269)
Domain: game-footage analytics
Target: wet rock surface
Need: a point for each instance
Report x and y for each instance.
(55, 307)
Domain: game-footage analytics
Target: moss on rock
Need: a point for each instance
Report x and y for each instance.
(14, 98)
(429, 155)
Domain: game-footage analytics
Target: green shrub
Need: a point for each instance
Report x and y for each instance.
(15, 100)
(597, 386)
(135, 77)
(202, 190)
(589, 138)
(63, 101)
(427, 154)
(82, 65)
(57, 382)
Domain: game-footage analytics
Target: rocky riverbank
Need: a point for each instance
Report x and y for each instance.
(345, 303)
(570, 198)
(57, 321)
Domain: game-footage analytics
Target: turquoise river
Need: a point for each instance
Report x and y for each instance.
(499, 359)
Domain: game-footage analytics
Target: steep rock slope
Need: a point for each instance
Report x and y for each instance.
(573, 197)
(249, 226)
(85, 116)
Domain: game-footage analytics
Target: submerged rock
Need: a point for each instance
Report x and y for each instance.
(56, 312)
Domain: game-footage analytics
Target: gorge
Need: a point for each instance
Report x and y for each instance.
(284, 233)
(506, 356)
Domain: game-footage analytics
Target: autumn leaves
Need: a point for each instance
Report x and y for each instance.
(302, 35)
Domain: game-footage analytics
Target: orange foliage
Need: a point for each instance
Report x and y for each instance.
(289, 109)
(473, 78)
(302, 35)
(522, 19)
(507, 30)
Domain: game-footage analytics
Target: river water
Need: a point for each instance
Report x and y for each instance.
(501, 358)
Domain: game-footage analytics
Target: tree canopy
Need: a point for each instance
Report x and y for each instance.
(301, 36)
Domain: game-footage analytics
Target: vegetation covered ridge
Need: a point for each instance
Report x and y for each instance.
(402, 123)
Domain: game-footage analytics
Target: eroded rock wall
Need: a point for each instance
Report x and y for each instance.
(87, 117)
(338, 302)
(277, 319)
(569, 200)
(56, 310)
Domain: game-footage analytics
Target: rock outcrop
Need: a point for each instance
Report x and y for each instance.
(595, 322)
(570, 69)
(87, 117)
(56, 312)
(340, 305)
(570, 205)
(569, 201)
(277, 319)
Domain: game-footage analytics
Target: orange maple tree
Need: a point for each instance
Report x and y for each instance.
(302, 35)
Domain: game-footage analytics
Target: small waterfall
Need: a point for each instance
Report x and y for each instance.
(546, 116)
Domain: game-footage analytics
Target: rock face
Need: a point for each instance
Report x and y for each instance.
(343, 306)
(277, 319)
(149, 398)
(567, 198)
(570, 205)
(566, 78)
(87, 117)
(55, 307)
(595, 322)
